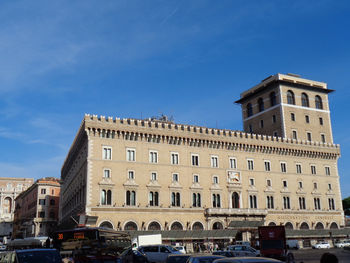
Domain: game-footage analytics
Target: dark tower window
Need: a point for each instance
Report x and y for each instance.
(249, 109)
(290, 97)
(304, 100)
(318, 102)
(273, 99)
(261, 104)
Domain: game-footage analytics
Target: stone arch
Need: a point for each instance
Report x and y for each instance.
(217, 225)
(197, 226)
(154, 225)
(107, 224)
(304, 225)
(176, 226)
(288, 225)
(272, 224)
(130, 225)
(334, 225)
(319, 225)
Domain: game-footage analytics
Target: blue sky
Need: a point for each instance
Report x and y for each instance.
(188, 59)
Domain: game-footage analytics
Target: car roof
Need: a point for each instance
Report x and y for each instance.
(247, 259)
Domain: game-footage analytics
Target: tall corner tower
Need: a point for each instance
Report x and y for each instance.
(286, 105)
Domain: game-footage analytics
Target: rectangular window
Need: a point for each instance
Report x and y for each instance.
(300, 185)
(327, 170)
(253, 201)
(321, 121)
(298, 168)
(130, 155)
(131, 175)
(215, 180)
(42, 214)
(329, 186)
(273, 118)
(43, 191)
(313, 169)
(251, 180)
(317, 203)
(307, 119)
(302, 204)
(275, 134)
(323, 138)
(283, 167)
(331, 204)
(315, 185)
(175, 177)
(153, 176)
(292, 116)
(195, 159)
(153, 157)
(233, 163)
(106, 173)
(174, 158)
(196, 178)
(250, 165)
(250, 128)
(107, 153)
(268, 182)
(270, 203)
(295, 135)
(267, 166)
(308, 135)
(214, 162)
(286, 202)
(42, 201)
(285, 184)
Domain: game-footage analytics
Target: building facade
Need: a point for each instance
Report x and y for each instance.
(10, 188)
(36, 212)
(135, 174)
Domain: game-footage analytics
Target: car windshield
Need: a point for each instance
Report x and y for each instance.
(177, 259)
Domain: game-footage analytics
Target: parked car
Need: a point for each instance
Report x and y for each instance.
(341, 244)
(31, 256)
(247, 260)
(224, 253)
(174, 258)
(182, 249)
(322, 244)
(158, 253)
(133, 256)
(253, 251)
(203, 258)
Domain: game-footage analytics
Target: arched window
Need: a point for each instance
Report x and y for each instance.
(249, 110)
(151, 199)
(273, 101)
(109, 197)
(272, 224)
(235, 200)
(304, 225)
(128, 194)
(217, 225)
(197, 226)
(130, 226)
(261, 104)
(288, 225)
(318, 102)
(7, 205)
(106, 224)
(334, 226)
(154, 226)
(133, 198)
(290, 97)
(176, 226)
(156, 198)
(319, 225)
(103, 197)
(304, 100)
(173, 199)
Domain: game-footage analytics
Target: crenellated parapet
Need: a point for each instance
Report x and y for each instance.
(196, 136)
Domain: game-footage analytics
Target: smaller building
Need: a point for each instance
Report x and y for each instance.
(36, 211)
(10, 188)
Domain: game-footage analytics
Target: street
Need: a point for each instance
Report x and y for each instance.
(314, 255)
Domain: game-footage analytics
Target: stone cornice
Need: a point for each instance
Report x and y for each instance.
(179, 134)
